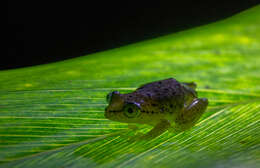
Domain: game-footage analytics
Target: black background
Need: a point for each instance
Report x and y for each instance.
(42, 32)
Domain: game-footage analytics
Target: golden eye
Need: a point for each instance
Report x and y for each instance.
(132, 110)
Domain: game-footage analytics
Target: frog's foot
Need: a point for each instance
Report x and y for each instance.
(159, 129)
(190, 84)
(189, 116)
(133, 127)
(174, 129)
(137, 137)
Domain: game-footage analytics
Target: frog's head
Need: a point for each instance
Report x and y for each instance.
(121, 108)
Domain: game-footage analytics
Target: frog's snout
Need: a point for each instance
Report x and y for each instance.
(110, 114)
(106, 112)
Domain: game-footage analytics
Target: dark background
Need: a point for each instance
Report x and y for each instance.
(41, 32)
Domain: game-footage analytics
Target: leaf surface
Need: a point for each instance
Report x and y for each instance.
(53, 115)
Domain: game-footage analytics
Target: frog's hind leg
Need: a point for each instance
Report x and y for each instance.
(190, 84)
(191, 114)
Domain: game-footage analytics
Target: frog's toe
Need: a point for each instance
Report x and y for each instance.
(133, 127)
(136, 137)
(141, 137)
(174, 129)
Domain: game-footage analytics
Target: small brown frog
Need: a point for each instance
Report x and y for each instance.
(165, 104)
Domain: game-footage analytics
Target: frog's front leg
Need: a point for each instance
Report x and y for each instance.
(158, 129)
(191, 114)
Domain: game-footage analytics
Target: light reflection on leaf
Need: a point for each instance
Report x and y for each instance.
(52, 115)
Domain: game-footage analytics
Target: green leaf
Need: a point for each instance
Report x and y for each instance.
(53, 115)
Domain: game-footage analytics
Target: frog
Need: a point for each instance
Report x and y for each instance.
(166, 105)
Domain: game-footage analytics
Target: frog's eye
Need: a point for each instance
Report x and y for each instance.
(132, 110)
(109, 96)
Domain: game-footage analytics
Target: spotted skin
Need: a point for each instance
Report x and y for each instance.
(165, 104)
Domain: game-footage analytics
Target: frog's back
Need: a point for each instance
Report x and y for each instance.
(168, 94)
(166, 88)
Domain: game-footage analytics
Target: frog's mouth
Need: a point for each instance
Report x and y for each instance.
(107, 115)
(112, 114)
